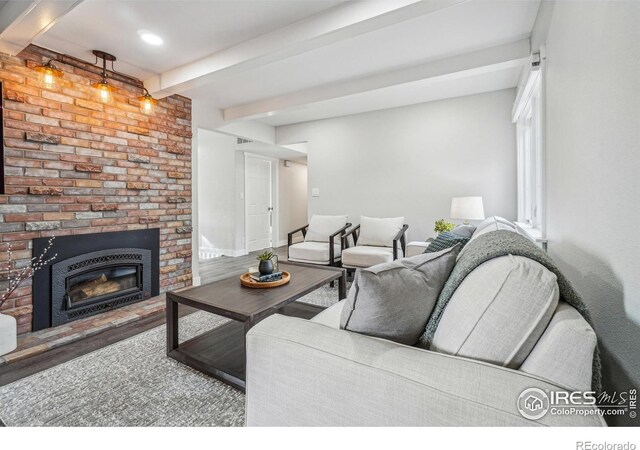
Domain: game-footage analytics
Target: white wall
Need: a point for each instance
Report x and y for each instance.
(410, 161)
(593, 170)
(292, 185)
(220, 200)
(216, 193)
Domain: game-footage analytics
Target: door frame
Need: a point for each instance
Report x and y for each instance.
(275, 223)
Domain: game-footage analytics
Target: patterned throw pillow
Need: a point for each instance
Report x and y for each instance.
(446, 239)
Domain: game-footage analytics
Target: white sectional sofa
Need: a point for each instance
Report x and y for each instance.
(490, 346)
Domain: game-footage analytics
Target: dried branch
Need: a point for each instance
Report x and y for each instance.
(16, 277)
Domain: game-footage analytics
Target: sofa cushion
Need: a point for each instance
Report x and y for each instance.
(564, 353)
(330, 316)
(394, 300)
(498, 312)
(464, 230)
(446, 239)
(379, 232)
(364, 256)
(321, 227)
(313, 252)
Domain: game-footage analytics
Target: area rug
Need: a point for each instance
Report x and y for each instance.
(131, 383)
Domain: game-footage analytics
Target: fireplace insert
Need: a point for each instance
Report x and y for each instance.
(94, 273)
(98, 281)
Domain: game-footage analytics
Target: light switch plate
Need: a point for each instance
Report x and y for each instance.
(315, 192)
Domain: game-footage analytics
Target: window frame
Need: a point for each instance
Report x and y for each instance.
(528, 115)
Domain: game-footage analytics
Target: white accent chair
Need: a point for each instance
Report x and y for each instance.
(375, 241)
(322, 243)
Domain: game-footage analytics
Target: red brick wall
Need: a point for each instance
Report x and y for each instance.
(74, 165)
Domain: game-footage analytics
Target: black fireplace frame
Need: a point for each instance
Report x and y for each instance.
(68, 247)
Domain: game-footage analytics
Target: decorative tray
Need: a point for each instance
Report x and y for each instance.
(249, 282)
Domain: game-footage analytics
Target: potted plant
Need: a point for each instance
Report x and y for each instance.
(11, 279)
(266, 262)
(443, 225)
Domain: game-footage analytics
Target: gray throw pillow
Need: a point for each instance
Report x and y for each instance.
(464, 230)
(394, 300)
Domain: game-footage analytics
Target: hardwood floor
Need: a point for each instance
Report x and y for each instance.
(226, 266)
(210, 271)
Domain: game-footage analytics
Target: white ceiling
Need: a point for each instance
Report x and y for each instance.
(288, 61)
(448, 32)
(190, 29)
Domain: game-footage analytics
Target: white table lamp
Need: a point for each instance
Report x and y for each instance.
(467, 208)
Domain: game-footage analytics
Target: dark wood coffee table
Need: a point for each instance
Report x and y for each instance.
(221, 351)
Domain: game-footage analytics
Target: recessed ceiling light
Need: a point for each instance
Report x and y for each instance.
(149, 37)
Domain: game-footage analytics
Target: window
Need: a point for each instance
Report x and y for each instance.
(528, 118)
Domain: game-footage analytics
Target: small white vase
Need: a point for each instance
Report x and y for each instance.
(8, 334)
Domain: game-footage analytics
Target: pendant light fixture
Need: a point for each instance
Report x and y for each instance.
(104, 91)
(147, 103)
(49, 74)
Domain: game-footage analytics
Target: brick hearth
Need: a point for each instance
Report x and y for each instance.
(73, 165)
(31, 344)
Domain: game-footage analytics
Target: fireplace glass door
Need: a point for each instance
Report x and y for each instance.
(99, 284)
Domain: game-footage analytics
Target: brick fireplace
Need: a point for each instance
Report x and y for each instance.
(75, 166)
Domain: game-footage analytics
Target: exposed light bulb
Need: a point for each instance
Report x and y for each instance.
(103, 92)
(147, 107)
(48, 75)
(147, 103)
(48, 80)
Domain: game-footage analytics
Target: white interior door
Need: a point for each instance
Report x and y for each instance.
(259, 204)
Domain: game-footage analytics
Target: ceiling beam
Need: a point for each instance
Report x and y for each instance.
(481, 61)
(207, 118)
(23, 21)
(338, 23)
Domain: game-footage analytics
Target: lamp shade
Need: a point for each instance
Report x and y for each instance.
(467, 208)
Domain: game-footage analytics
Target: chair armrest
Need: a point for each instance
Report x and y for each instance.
(400, 237)
(291, 233)
(301, 373)
(332, 237)
(354, 232)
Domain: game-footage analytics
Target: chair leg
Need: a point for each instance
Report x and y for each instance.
(332, 284)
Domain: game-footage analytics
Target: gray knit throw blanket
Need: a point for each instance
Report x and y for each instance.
(502, 243)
